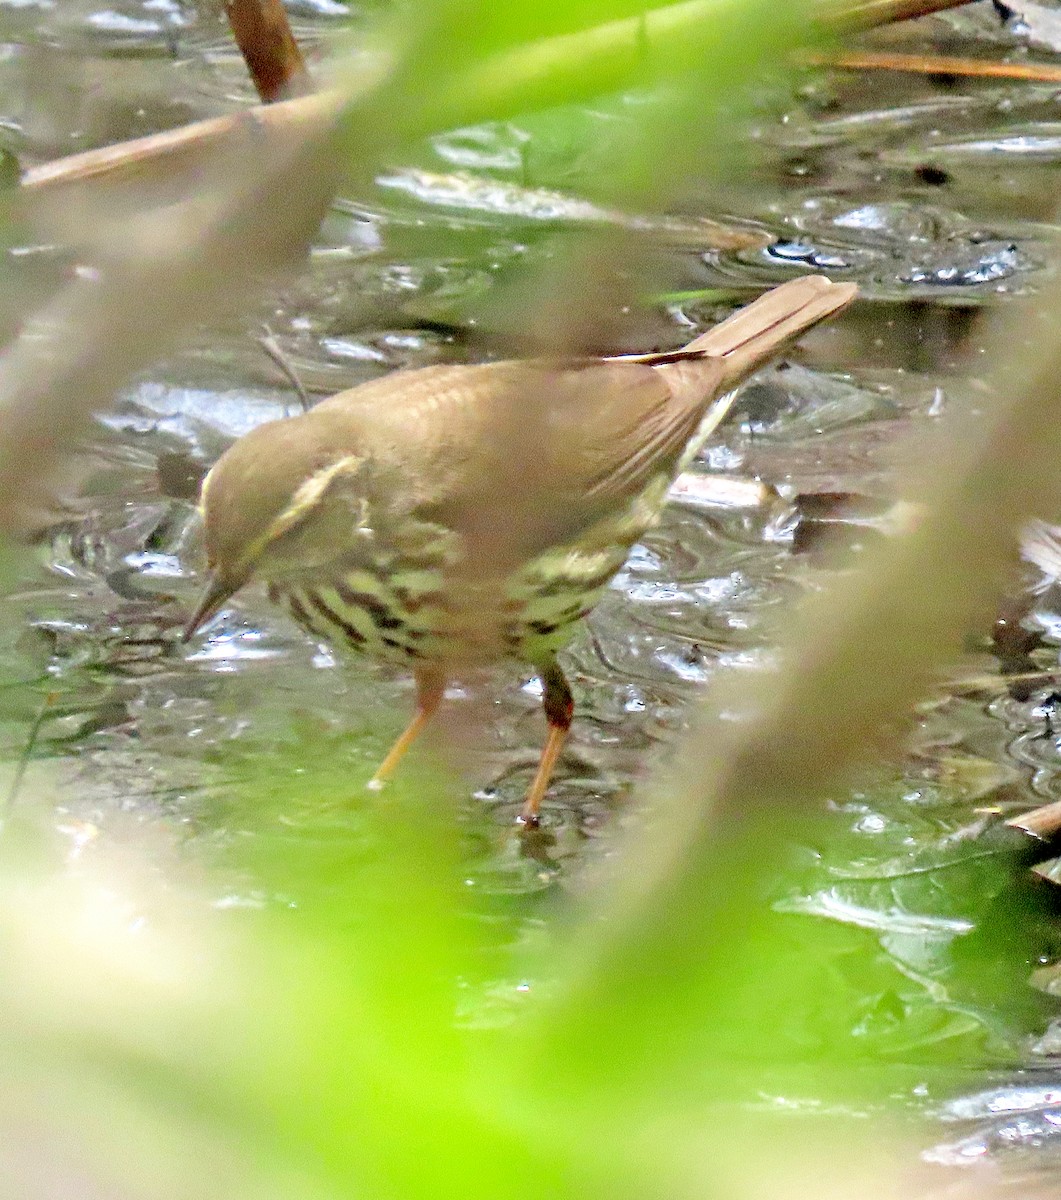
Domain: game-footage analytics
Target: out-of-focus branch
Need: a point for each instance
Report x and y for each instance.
(268, 46)
(766, 745)
(570, 67)
(163, 166)
(160, 276)
(533, 74)
(165, 272)
(933, 64)
(1044, 822)
(869, 13)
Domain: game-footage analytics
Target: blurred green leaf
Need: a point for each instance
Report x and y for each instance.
(298, 1035)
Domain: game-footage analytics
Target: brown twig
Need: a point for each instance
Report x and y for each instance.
(1044, 822)
(866, 14)
(512, 81)
(162, 274)
(767, 744)
(177, 150)
(268, 46)
(267, 341)
(931, 64)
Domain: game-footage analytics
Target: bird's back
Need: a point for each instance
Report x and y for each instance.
(503, 497)
(517, 457)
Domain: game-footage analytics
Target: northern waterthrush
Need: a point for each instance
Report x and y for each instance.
(453, 515)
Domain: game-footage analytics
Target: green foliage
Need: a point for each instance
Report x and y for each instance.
(307, 1042)
(296, 1035)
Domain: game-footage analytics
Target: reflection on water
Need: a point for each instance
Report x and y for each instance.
(931, 193)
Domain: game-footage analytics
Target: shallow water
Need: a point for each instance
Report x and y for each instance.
(935, 194)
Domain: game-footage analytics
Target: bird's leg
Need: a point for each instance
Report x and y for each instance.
(430, 686)
(559, 708)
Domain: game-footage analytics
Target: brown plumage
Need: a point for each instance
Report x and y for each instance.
(457, 514)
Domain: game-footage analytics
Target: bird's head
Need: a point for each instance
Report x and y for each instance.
(270, 507)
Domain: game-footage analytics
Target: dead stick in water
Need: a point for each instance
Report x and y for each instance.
(568, 59)
(931, 64)
(868, 13)
(179, 147)
(1043, 823)
(269, 49)
(274, 351)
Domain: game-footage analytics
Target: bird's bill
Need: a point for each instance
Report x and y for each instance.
(215, 594)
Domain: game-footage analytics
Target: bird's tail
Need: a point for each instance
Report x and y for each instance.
(758, 331)
(710, 366)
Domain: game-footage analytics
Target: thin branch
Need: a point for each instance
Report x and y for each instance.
(179, 152)
(532, 75)
(767, 744)
(932, 64)
(866, 14)
(162, 274)
(275, 353)
(24, 759)
(1044, 822)
(268, 46)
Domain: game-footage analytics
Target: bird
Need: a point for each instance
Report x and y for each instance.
(446, 517)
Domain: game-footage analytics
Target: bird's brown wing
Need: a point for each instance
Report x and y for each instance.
(523, 456)
(624, 427)
(519, 457)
